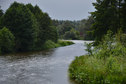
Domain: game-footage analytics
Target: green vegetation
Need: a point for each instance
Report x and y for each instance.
(6, 41)
(50, 44)
(72, 34)
(26, 28)
(105, 63)
(75, 29)
(64, 43)
(21, 22)
(109, 15)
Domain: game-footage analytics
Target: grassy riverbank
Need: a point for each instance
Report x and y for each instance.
(49, 44)
(104, 64)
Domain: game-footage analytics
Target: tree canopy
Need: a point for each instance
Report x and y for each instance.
(30, 26)
(109, 15)
(22, 24)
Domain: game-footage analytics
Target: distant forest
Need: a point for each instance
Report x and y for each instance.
(74, 30)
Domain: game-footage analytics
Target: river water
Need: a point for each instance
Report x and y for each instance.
(45, 67)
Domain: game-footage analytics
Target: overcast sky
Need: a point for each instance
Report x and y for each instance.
(59, 9)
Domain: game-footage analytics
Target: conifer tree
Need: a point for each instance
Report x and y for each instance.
(21, 22)
(1, 12)
(123, 16)
(105, 17)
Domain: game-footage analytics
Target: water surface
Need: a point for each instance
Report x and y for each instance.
(45, 67)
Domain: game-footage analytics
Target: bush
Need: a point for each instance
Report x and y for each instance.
(64, 43)
(6, 41)
(50, 44)
(90, 70)
(105, 64)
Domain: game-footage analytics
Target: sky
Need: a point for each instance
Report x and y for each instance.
(59, 9)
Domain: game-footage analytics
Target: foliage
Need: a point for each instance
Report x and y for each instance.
(46, 30)
(21, 22)
(72, 34)
(53, 36)
(85, 28)
(6, 41)
(1, 12)
(106, 18)
(64, 43)
(50, 44)
(106, 64)
(89, 48)
(123, 15)
(82, 28)
(31, 27)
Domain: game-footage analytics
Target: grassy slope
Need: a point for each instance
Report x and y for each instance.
(90, 70)
(105, 64)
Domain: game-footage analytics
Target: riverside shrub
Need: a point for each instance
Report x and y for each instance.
(106, 64)
(50, 44)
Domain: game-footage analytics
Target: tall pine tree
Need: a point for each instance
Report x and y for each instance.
(123, 16)
(106, 18)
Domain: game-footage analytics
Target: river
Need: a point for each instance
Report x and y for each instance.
(45, 67)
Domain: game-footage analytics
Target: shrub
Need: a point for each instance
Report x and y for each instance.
(50, 44)
(65, 43)
(105, 64)
(6, 41)
(90, 70)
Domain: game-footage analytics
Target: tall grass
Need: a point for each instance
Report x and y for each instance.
(104, 64)
(50, 44)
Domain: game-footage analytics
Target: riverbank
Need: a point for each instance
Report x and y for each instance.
(46, 46)
(40, 67)
(90, 70)
(104, 64)
(49, 44)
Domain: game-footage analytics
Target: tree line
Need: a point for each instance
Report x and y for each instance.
(105, 61)
(109, 15)
(25, 28)
(74, 30)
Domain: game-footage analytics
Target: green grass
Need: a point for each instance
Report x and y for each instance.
(104, 64)
(90, 70)
(49, 44)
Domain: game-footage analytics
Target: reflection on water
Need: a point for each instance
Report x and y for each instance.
(45, 67)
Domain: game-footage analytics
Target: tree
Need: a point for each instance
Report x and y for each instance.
(66, 26)
(6, 41)
(105, 17)
(123, 16)
(22, 23)
(1, 14)
(44, 23)
(52, 34)
(85, 28)
(72, 34)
